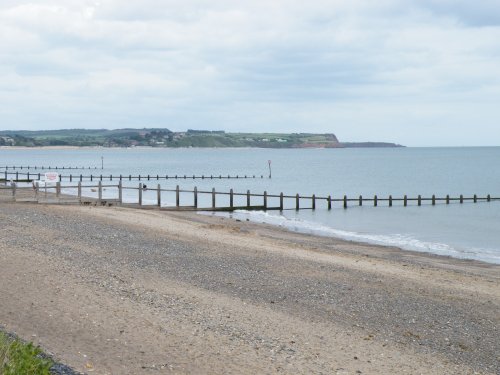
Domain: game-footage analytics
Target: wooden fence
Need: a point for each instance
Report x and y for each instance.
(251, 201)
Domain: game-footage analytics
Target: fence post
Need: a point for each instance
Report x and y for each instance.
(375, 201)
(79, 191)
(120, 192)
(195, 197)
(313, 206)
(248, 198)
(419, 200)
(281, 201)
(140, 194)
(433, 200)
(297, 202)
(158, 196)
(177, 196)
(213, 197)
(345, 201)
(58, 189)
(99, 188)
(461, 198)
(329, 200)
(390, 200)
(231, 198)
(265, 200)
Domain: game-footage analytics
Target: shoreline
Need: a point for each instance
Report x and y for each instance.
(118, 290)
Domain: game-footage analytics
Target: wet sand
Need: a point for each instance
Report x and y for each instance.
(112, 290)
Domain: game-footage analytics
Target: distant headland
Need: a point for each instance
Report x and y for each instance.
(156, 137)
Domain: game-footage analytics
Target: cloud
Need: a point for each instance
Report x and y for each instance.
(365, 70)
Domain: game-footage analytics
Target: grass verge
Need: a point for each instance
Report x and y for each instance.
(17, 357)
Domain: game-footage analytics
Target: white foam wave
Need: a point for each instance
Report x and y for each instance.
(402, 241)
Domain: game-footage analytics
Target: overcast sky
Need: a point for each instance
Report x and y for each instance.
(422, 72)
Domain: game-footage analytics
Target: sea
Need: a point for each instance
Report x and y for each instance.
(468, 231)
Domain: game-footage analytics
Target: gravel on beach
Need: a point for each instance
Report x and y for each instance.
(118, 291)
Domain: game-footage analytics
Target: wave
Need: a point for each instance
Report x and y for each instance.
(403, 241)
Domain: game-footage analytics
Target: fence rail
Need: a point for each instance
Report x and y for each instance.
(251, 201)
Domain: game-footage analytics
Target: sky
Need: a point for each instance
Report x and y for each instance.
(414, 72)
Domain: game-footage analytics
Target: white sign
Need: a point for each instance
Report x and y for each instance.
(51, 177)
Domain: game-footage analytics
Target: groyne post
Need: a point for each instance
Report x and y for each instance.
(265, 200)
(313, 205)
(405, 200)
(447, 198)
(80, 191)
(120, 192)
(140, 194)
(360, 200)
(58, 189)
(158, 195)
(433, 200)
(297, 202)
(329, 200)
(248, 198)
(195, 192)
(345, 201)
(231, 198)
(419, 200)
(213, 197)
(488, 198)
(375, 201)
(461, 198)
(281, 201)
(177, 196)
(99, 198)
(390, 200)
(475, 198)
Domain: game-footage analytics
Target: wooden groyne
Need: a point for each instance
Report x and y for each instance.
(23, 177)
(43, 168)
(94, 194)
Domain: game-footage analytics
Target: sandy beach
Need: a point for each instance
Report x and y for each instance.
(110, 290)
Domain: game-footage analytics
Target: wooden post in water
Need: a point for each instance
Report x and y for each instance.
(231, 197)
(281, 201)
(158, 196)
(419, 200)
(195, 192)
(213, 198)
(447, 198)
(390, 200)
(475, 198)
(120, 192)
(461, 198)
(248, 198)
(405, 200)
(345, 201)
(488, 198)
(433, 199)
(58, 189)
(313, 206)
(177, 197)
(140, 195)
(28, 178)
(360, 200)
(80, 191)
(329, 201)
(17, 176)
(99, 199)
(297, 202)
(265, 200)
(375, 201)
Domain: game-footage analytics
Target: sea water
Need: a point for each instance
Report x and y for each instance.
(466, 230)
